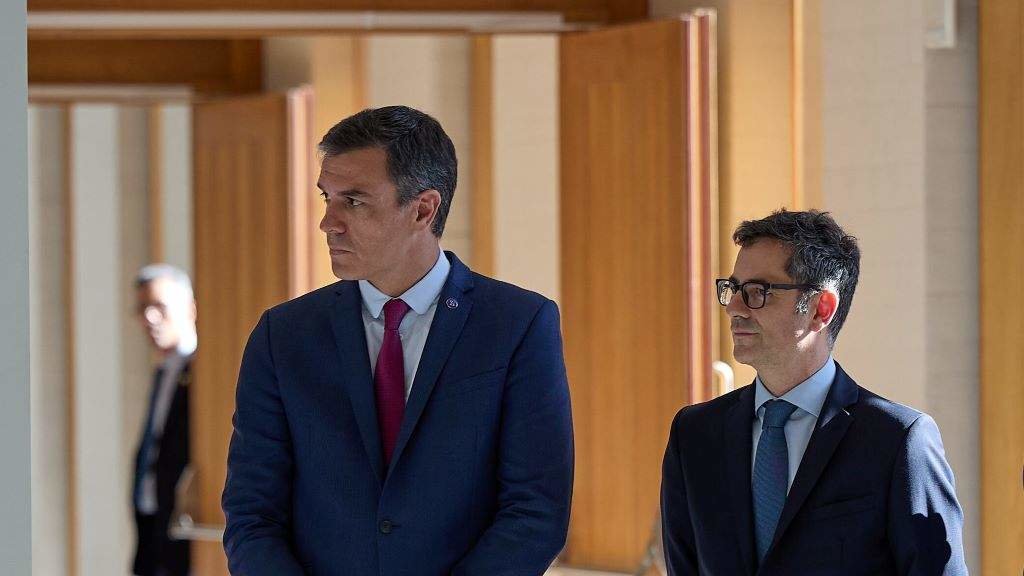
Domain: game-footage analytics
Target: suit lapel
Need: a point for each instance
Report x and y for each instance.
(739, 444)
(350, 337)
(453, 307)
(829, 431)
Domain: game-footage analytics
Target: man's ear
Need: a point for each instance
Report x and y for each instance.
(825, 310)
(428, 202)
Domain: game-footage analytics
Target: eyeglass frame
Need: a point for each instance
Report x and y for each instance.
(766, 286)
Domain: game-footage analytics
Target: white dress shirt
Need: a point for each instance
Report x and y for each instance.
(422, 300)
(808, 397)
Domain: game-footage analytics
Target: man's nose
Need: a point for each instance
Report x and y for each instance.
(331, 222)
(737, 308)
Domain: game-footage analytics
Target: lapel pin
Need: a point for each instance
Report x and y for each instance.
(452, 303)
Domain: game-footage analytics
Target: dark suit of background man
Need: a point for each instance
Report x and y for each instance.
(412, 419)
(167, 312)
(869, 489)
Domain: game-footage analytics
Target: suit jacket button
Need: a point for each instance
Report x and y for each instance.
(386, 526)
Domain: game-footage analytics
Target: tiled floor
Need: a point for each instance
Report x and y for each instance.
(577, 572)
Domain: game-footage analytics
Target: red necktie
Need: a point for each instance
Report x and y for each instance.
(389, 378)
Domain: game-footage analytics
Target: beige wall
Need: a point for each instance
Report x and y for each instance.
(525, 155)
(101, 475)
(48, 339)
(900, 172)
(429, 72)
(175, 145)
(951, 272)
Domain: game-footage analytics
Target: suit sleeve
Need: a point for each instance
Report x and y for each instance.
(257, 495)
(535, 460)
(676, 528)
(925, 520)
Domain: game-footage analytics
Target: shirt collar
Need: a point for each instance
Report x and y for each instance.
(419, 297)
(808, 396)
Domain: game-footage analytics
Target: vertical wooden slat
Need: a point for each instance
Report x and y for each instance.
(154, 128)
(69, 343)
(481, 120)
(628, 255)
(1001, 226)
(241, 268)
(707, 64)
(300, 191)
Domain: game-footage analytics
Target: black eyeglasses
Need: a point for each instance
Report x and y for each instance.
(754, 292)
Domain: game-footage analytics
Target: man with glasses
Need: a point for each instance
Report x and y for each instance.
(803, 471)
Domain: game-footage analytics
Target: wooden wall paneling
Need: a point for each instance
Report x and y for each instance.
(155, 183)
(303, 204)
(241, 268)
(1001, 226)
(482, 134)
(69, 340)
(211, 66)
(574, 10)
(702, 195)
(755, 114)
(626, 274)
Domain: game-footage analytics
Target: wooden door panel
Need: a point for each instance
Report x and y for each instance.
(634, 236)
(241, 192)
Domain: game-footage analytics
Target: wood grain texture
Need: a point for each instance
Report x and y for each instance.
(241, 268)
(627, 242)
(154, 130)
(482, 141)
(576, 10)
(209, 66)
(1001, 226)
(69, 337)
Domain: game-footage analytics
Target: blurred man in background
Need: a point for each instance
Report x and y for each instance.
(167, 311)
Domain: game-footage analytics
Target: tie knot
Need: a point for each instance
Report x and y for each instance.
(776, 413)
(394, 311)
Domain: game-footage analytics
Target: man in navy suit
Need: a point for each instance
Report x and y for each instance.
(412, 419)
(803, 471)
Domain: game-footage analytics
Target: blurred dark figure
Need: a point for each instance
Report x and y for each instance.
(167, 311)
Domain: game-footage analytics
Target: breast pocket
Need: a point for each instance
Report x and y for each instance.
(843, 507)
(452, 389)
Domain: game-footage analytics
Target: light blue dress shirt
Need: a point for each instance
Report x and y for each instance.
(808, 397)
(422, 299)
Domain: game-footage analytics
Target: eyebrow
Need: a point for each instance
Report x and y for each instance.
(350, 192)
(761, 280)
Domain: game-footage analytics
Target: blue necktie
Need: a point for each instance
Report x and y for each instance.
(771, 473)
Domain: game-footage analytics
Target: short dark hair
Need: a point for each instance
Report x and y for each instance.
(420, 156)
(823, 254)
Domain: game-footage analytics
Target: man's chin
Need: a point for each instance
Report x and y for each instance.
(345, 272)
(743, 354)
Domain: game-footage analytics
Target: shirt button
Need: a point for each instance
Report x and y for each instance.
(386, 526)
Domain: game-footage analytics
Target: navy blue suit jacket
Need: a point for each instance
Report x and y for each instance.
(481, 477)
(873, 493)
